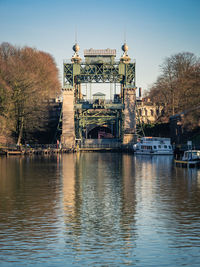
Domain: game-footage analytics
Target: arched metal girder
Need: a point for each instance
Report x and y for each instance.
(99, 117)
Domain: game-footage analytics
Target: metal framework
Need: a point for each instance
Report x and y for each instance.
(117, 72)
(89, 119)
(99, 67)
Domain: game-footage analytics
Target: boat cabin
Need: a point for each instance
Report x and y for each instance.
(191, 155)
(153, 145)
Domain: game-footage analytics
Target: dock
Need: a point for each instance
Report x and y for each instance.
(185, 163)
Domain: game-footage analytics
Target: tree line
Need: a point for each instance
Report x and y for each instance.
(177, 88)
(28, 80)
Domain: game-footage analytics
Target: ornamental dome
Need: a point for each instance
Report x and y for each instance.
(125, 47)
(76, 48)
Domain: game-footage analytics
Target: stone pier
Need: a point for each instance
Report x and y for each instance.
(129, 136)
(68, 132)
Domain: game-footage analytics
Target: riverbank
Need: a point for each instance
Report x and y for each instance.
(34, 151)
(52, 149)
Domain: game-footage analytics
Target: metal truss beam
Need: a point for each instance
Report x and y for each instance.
(99, 73)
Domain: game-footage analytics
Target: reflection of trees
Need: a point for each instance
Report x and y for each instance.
(172, 195)
(181, 196)
(29, 189)
(182, 201)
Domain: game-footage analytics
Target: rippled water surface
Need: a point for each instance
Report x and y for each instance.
(98, 209)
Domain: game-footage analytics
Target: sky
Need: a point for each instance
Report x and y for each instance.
(153, 29)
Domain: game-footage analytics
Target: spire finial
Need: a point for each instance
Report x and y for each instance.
(76, 58)
(124, 34)
(125, 58)
(76, 46)
(76, 34)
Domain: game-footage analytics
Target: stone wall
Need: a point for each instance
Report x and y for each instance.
(129, 136)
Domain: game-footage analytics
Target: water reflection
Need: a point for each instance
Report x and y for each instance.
(168, 200)
(71, 194)
(28, 193)
(99, 201)
(98, 209)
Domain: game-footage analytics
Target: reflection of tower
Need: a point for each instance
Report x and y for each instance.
(68, 183)
(128, 193)
(98, 196)
(71, 192)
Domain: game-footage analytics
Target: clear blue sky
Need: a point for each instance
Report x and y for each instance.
(155, 29)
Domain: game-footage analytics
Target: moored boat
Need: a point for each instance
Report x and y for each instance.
(190, 158)
(153, 146)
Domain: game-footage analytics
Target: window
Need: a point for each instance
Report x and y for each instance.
(165, 146)
(154, 147)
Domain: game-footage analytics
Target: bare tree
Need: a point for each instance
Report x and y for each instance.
(178, 86)
(28, 79)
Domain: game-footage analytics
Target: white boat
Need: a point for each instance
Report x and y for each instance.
(153, 146)
(190, 158)
(191, 155)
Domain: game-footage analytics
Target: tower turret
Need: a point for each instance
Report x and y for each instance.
(125, 58)
(76, 58)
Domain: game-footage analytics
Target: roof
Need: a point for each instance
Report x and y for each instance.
(98, 94)
(100, 52)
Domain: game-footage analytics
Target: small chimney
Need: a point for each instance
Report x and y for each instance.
(140, 91)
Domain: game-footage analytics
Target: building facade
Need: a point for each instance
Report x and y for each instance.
(147, 111)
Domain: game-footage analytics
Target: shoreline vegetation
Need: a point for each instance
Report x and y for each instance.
(177, 89)
(28, 80)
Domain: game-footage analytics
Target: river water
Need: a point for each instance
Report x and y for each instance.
(98, 209)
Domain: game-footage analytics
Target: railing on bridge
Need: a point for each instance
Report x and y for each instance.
(101, 143)
(93, 101)
(83, 62)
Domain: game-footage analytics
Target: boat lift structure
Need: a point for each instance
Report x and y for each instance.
(84, 120)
